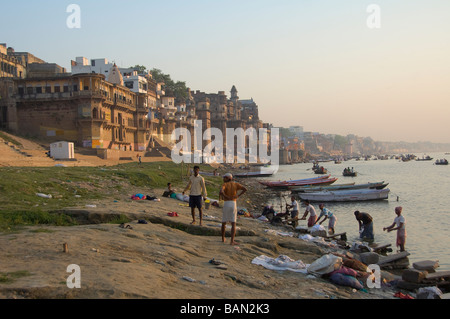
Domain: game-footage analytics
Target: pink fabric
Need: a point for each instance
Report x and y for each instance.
(401, 237)
(312, 220)
(346, 271)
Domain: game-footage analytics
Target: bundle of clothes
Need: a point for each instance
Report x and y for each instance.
(144, 197)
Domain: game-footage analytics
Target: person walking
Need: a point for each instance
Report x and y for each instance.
(327, 214)
(312, 214)
(400, 222)
(198, 189)
(229, 193)
(365, 222)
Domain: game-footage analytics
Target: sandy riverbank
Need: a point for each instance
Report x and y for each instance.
(166, 258)
(158, 259)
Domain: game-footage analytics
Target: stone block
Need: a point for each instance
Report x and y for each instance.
(428, 265)
(414, 275)
(319, 233)
(369, 258)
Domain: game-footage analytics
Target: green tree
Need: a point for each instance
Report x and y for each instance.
(340, 141)
(172, 88)
(140, 68)
(285, 132)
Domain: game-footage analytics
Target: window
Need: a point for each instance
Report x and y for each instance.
(48, 89)
(75, 88)
(57, 89)
(66, 88)
(38, 90)
(29, 90)
(21, 91)
(129, 84)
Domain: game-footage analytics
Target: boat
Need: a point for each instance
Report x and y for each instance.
(325, 180)
(441, 162)
(275, 183)
(319, 169)
(350, 172)
(354, 195)
(427, 158)
(408, 157)
(253, 174)
(265, 171)
(350, 186)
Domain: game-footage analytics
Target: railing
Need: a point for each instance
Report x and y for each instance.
(58, 95)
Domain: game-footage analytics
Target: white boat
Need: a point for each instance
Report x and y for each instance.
(346, 195)
(265, 171)
(339, 187)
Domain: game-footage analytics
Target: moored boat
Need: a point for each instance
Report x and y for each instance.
(346, 195)
(424, 158)
(325, 180)
(265, 171)
(252, 174)
(310, 189)
(275, 183)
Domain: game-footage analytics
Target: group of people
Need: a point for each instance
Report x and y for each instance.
(366, 226)
(231, 191)
(365, 221)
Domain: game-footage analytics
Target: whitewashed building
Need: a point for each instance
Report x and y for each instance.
(62, 150)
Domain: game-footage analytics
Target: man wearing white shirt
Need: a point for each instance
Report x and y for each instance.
(400, 222)
(197, 186)
(312, 214)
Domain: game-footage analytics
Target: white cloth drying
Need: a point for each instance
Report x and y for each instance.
(281, 263)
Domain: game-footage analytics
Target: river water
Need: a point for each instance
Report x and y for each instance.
(420, 187)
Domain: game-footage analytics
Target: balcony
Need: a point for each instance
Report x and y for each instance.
(59, 95)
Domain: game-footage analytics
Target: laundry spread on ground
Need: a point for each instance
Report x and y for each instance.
(282, 262)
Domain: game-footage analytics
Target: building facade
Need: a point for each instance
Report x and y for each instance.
(101, 106)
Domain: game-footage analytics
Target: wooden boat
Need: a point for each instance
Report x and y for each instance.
(265, 171)
(350, 173)
(276, 183)
(354, 195)
(319, 169)
(310, 189)
(427, 158)
(441, 162)
(326, 180)
(253, 174)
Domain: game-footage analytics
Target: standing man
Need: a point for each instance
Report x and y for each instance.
(400, 222)
(198, 189)
(229, 193)
(295, 212)
(327, 214)
(312, 214)
(365, 225)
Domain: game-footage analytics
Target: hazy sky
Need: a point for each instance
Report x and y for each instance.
(313, 63)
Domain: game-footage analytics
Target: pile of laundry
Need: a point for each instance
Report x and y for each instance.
(282, 262)
(340, 270)
(140, 196)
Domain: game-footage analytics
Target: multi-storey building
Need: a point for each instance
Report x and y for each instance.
(116, 111)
